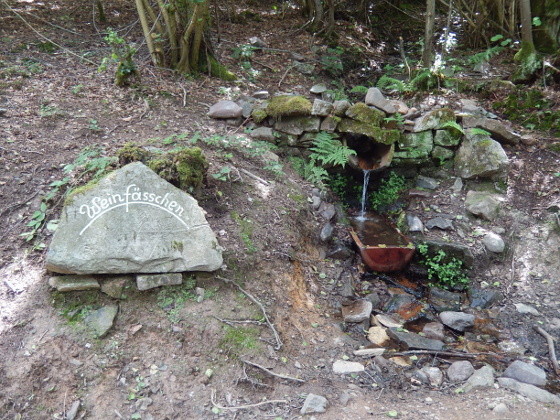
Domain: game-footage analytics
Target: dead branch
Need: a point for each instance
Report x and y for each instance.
(231, 322)
(271, 326)
(551, 351)
(242, 407)
(279, 375)
(285, 74)
(246, 172)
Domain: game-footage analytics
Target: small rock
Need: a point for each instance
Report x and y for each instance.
(115, 287)
(321, 108)
(257, 42)
(434, 374)
(314, 404)
(484, 298)
(457, 185)
(526, 373)
(510, 346)
(481, 378)
(426, 183)
(225, 109)
(358, 311)
(414, 341)
(460, 371)
(263, 134)
(444, 300)
(340, 107)
(494, 243)
(440, 222)
(150, 281)
(261, 94)
(500, 408)
(345, 366)
(101, 320)
(375, 97)
(482, 204)
(388, 321)
(143, 403)
(458, 321)
(414, 223)
(526, 309)
(434, 330)
(378, 336)
(71, 283)
(529, 391)
(73, 411)
(326, 232)
(318, 88)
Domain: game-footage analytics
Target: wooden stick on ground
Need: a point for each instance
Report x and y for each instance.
(279, 375)
(435, 353)
(551, 351)
(279, 343)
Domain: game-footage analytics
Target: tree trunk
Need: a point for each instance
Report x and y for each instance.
(527, 57)
(427, 54)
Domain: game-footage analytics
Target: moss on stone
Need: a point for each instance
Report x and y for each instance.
(220, 71)
(131, 152)
(192, 167)
(259, 115)
(289, 106)
(363, 113)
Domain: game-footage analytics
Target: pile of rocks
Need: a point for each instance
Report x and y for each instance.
(470, 136)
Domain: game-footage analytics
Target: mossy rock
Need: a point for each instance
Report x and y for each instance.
(220, 71)
(259, 115)
(131, 152)
(363, 113)
(289, 106)
(186, 169)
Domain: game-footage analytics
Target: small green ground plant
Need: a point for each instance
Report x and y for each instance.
(388, 193)
(121, 54)
(443, 271)
(172, 299)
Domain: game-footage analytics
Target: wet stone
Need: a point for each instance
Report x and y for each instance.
(146, 282)
(358, 311)
(458, 321)
(442, 223)
(444, 300)
(526, 373)
(460, 371)
(414, 223)
(484, 298)
(414, 341)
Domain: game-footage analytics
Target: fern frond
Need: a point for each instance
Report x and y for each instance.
(389, 83)
(329, 151)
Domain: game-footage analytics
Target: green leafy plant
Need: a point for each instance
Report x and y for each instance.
(121, 54)
(223, 174)
(445, 271)
(491, 51)
(246, 227)
(389, 191)
(332, 62)
(453, 125)
(479, 132)
(389, 83)
(362, 90)
(329, 151)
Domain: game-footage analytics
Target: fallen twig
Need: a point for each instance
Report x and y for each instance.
(285, 74)
(279, 375)
(242, 407)
(551, 351)
(436, 353)
(230, 322)
(262, 181)
(276, 335)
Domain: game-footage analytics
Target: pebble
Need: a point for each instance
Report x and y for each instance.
(460, 371)
(457, 320)
(358, 311)
(481, 378)
(343, 366)
(501, 408)
(526, 309)
(314, 404)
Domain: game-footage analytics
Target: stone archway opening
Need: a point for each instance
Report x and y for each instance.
(370, 154)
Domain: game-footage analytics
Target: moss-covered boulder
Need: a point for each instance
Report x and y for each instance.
(363, 113)
(415, 145)
(185, 168)
(481, 157)
(288, 106)
(348, 125)
(434, 120)
(447, 138)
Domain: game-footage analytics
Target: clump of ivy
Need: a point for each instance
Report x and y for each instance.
(444, 271)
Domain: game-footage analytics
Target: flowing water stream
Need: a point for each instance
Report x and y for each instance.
(367, 174)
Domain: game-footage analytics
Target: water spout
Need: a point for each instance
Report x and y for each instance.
(367, 173)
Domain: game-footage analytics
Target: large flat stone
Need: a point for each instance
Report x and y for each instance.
(133, 221)
(414, 341)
